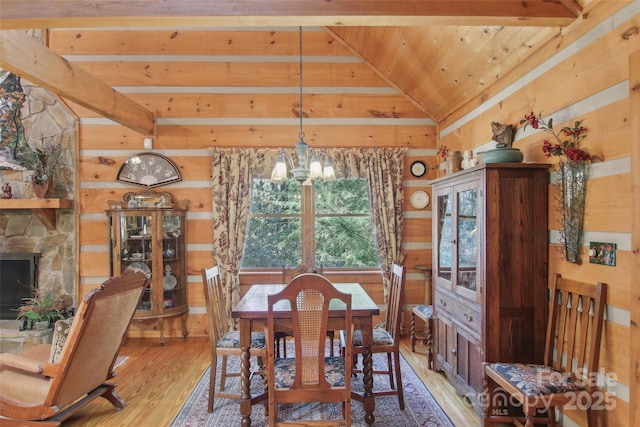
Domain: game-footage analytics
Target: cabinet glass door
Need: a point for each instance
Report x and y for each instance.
(445, 236)
(136, 249)
(173, 261)
(467, 242)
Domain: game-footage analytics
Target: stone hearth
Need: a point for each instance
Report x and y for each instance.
(13, 340)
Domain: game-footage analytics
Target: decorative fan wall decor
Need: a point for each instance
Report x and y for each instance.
(148, 170)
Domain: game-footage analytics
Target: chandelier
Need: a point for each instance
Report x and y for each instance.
(308, 167)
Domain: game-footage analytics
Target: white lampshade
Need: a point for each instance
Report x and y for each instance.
(328, 173)
(315, 168)
(279, 173)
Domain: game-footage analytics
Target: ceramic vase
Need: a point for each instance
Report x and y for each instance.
(51, 185)
(454, 162)
(40, 190)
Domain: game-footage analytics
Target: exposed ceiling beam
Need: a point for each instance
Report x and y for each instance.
(572, 5)
(21, 14)
(27, 57)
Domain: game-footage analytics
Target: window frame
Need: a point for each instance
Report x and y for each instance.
(308, 231)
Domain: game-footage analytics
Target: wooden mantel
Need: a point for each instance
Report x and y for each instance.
(44, 208)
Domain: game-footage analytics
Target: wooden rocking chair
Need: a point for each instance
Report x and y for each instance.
(34, 390)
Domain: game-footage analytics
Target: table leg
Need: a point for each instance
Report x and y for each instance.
(367, 373)
(245, 372)
(368, 400)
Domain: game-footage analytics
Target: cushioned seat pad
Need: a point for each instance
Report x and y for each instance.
(423, 311)
(285, 371)
(536, 379)
(380, 337)
(232, 340)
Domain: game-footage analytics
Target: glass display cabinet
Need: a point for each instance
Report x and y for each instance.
(147, 234)
(490, 242)
(458, 238)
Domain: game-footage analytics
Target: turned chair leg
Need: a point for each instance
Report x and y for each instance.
(413, 332)
(429, 342)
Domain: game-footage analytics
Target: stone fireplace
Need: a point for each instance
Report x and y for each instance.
(18, 280)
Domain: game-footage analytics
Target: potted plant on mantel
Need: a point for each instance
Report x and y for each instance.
(42, 311)
(46, 162)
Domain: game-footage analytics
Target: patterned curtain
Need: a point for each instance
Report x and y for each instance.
(233, 172)
(382, 168)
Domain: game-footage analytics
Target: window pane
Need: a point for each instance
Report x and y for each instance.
(273, 242)
(271, 198)
(343, 196)
(345, 242)
(343, 228)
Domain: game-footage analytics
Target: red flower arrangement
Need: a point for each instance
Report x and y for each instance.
(559, 147)
(443, 151)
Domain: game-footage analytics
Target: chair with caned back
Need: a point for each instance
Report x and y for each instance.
(574, 329)
(310, 376)
(387, 339)
(289, 273)
(223, 341)
(42, 386)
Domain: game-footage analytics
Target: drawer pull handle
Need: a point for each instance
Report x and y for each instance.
(453, 351)
(468, 317)
(443, 302)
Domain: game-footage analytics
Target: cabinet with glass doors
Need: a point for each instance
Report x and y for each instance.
(490, 270)
(147, 234)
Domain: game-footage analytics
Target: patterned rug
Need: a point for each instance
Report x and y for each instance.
(421, 409)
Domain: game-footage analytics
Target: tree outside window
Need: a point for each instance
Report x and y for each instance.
(326, 224)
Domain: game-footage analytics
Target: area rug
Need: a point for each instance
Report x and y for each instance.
(421, 409)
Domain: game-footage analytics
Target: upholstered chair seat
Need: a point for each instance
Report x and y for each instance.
(231, 339)
(285, 372)
(380, 337)
(536, 379)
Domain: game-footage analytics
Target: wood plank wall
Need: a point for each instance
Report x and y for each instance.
(634, 366)
(584, 76)
(231, 88)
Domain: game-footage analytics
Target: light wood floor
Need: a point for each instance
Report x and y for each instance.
(155, 381)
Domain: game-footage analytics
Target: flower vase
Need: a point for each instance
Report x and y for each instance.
(51, 185)
(573, 186)
(454, 162)
(40, 190)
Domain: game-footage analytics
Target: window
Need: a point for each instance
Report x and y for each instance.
(326, 224)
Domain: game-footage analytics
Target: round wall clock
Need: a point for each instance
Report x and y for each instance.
(419, 199)
(148, 170)
(418, 168)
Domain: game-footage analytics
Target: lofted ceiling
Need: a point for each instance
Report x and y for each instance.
(439, 54)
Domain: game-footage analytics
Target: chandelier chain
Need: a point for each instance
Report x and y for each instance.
(300, 85)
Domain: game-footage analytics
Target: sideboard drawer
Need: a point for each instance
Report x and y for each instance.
(464, 313)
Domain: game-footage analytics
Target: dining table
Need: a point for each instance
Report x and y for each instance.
(252, 312)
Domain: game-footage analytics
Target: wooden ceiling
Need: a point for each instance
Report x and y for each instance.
(439, 54)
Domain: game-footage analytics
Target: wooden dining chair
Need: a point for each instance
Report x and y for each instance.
(289, 273)
(574, 329)
(386, 339)
(223, 341)
(310, 376)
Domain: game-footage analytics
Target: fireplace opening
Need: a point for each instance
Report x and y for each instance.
(18, 280)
